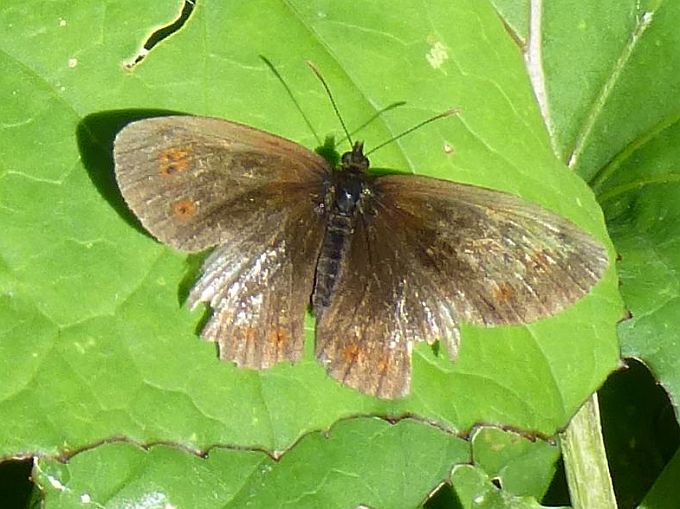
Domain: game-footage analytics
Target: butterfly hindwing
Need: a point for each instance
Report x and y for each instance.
(380, 306)
(259, 289)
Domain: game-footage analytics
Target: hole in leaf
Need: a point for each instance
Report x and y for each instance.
(166, 31)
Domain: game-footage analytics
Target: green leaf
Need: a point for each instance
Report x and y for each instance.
(664, 493)
(592, 55)
(95, 340)
(475, 490)
(508, 470)
(639, 188)
(615, 122)
(522, 466)
(387, 466)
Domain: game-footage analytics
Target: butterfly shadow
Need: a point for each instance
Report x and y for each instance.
(95, 135)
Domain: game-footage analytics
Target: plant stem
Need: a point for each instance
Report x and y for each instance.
(585, 461)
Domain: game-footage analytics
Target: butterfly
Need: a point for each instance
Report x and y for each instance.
(384, 261)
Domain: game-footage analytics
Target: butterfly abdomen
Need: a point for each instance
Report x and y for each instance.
(339, 226)
(335, 242)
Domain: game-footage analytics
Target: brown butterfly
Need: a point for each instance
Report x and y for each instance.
(388, 260)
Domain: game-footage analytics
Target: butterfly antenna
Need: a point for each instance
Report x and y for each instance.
(447, 113)
(292, 97)
(316, 71)
(376, 115)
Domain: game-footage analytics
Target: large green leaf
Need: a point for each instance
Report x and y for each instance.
(96, 341)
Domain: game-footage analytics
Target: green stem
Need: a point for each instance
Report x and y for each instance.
(585, 460)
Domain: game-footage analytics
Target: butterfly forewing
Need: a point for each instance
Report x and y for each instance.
(496, 258)
(196, 182)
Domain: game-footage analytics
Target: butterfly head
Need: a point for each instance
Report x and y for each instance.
(355, 161)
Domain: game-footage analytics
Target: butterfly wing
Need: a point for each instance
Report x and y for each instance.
(433, 253)
(197, 182)
(498, 258)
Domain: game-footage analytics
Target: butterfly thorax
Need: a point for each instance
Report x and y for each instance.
(348, 189)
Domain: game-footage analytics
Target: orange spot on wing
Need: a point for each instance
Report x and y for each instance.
(503, 292)
(383, 365)
(174, 160)
(351, 353)
(248, 333)
(184, 209)
(278, 336)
